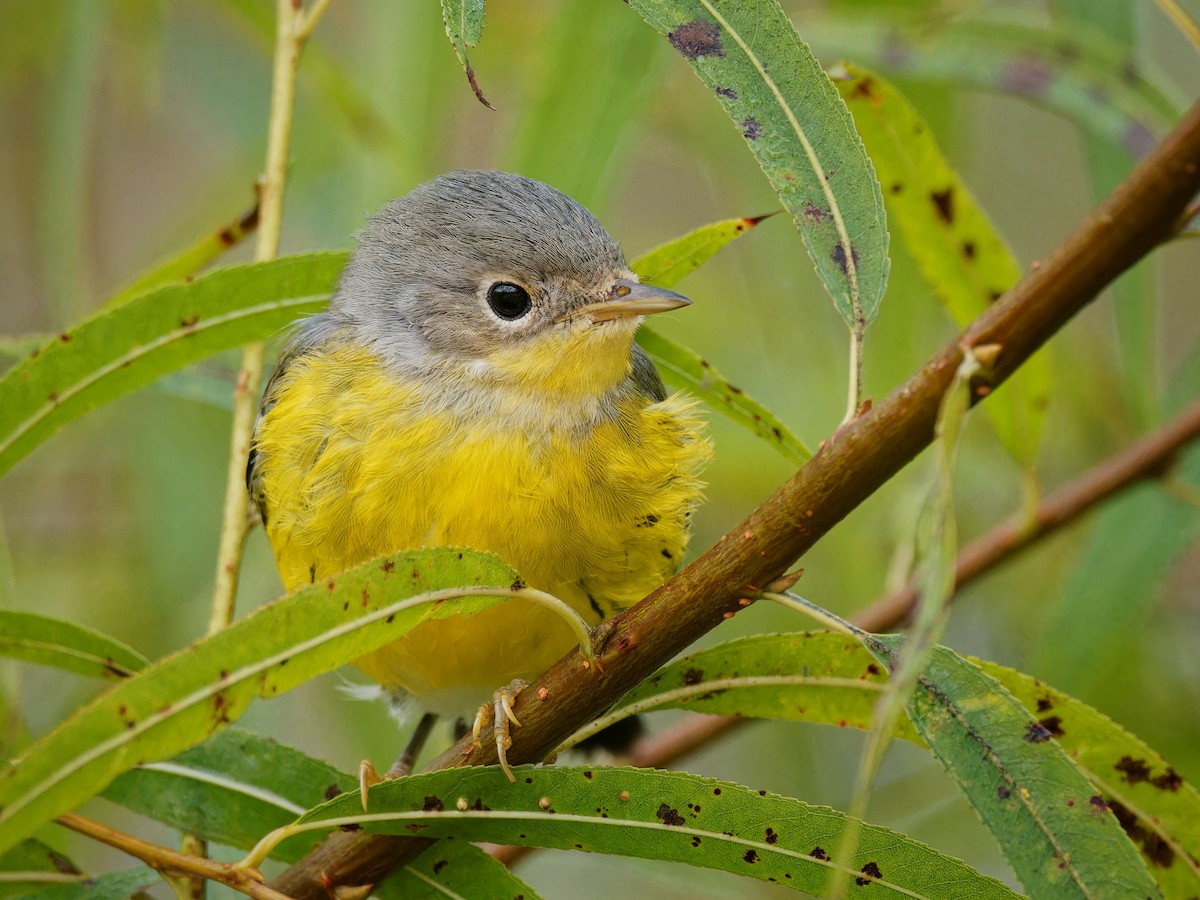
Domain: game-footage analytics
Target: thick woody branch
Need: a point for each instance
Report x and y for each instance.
(858, 459)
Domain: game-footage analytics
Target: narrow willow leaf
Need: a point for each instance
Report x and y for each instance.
(65, 645)
(668, 264)
(181, 700)
(682, 368)
(1158, 809)
(464, 27)
(14, 347)
(664, 266)
(956, 246)
(111, 886)
(33, 866)
(813, 676)
(1029, 794)
(654, 815)
(454, 869)
(1072, 72)
(128, 347)
(232, 789)
(191, 260)
(763, 74)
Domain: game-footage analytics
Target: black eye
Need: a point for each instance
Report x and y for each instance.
(509, 301)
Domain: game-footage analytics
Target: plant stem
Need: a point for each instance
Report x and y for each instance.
(854, 398)
(293, 27)
(164, 859)
(862, 456)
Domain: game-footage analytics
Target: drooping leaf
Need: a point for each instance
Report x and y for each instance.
(128, 347)
(1029, 794)
(65, 645)
(1158, 809)
(664, 266)
(181, 700)
(1075, 73)
(813, 676)
(763, 74)
(464, 27)
(656, 815)
(964, 259)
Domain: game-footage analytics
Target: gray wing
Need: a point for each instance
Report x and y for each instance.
(646, 377)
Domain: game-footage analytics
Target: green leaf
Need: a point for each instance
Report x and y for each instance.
(682, 368)
(668, 264)
(454, 869)
(949, 235)
(814, 676)
(237, 786)
(1025, 788)
(464, 27)
(654, 815)
(128, 347)
(232, 789)
(65, 645)
(44, 866)
(1158, 809)
(181, 700)
(1072, 72)
(112, 886)
(665, 266)
(763, 74)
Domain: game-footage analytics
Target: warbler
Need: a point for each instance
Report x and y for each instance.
(475, 383)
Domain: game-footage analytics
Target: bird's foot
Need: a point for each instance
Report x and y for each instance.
(502, 715)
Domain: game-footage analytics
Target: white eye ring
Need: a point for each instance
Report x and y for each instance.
(509, 301)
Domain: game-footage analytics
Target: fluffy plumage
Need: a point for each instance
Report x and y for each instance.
(411, 414)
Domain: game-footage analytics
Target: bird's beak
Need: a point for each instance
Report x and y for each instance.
(629, 298)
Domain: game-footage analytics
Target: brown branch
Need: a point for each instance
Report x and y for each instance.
(859, 458)
(1150, 457)
(172, 862)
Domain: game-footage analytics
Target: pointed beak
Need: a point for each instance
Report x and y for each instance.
(629, 298)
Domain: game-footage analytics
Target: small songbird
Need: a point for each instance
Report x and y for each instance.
(475, 383)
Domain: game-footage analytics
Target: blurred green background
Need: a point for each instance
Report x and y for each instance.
(129, 128)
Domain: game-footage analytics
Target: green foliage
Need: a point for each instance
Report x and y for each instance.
(128, 347)
(1078, 805)
(182, 699)
(762, 73)
(75, 648)
(656, 815)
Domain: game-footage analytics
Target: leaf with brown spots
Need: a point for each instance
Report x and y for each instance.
(749, 55)
(66, 645)
(982, 735)
(169, 706)
(959, 251)
(127, 348)
(464, 27)
(753, 834)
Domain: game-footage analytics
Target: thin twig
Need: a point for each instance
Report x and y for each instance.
(166, 860)
(850, 467)
(292, 29)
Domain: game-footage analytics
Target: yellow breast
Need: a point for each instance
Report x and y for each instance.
(590, 503)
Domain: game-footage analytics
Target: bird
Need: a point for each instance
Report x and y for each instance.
(475, 383)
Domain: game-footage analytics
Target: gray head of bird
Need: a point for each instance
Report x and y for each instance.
(496, 278)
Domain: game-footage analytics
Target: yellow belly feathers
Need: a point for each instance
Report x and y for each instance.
(592, 508)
